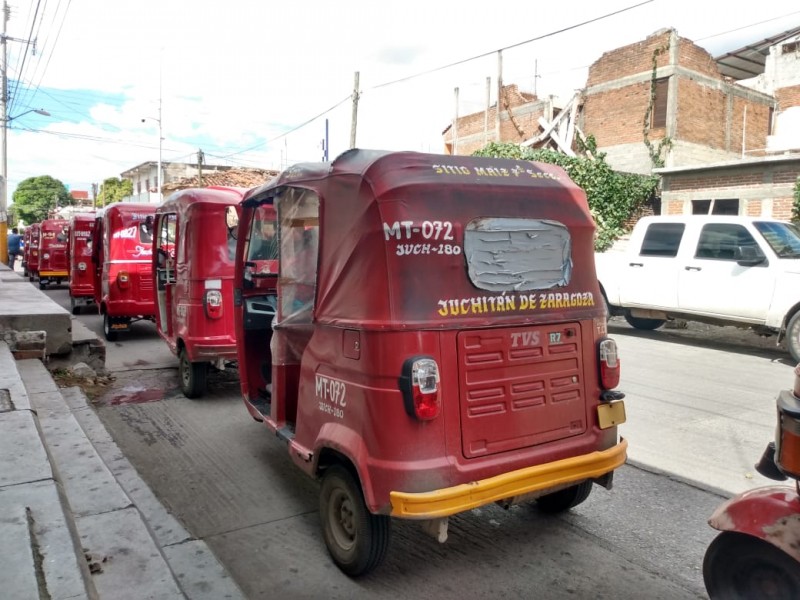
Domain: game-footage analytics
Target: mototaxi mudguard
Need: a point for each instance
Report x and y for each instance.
(771, 514)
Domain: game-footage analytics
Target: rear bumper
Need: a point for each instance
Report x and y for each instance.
(460, 498)
(214, 351)
(53, 274)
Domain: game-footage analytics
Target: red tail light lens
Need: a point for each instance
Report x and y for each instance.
(420, 386)
(609, 364)
(212, 302)
(123, 280)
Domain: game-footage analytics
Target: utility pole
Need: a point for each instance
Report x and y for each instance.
(499, 94)
(3, 142)
(200, 159)
(355, 114)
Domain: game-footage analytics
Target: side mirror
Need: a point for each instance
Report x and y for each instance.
(232, 220)
(749, 256)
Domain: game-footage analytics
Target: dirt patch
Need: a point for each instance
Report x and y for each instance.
(93, 387)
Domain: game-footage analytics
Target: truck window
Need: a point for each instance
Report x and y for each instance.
(719, 241)
(662, 239)
(517, 254)
(783, 238)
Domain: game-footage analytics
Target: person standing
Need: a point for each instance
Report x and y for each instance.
(14, 247)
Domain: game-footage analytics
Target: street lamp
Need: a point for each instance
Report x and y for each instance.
(5, 120)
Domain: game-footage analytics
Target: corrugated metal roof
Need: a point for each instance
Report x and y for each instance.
(748, 61)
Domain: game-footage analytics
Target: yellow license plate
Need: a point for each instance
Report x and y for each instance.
(611, 414)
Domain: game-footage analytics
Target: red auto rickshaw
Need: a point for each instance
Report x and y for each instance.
(81, 273)
(193, 266)
(53, 264)
(757, 555)
(434, 341)
(30, 239)
(122, 255)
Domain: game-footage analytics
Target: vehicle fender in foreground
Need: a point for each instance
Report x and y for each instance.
(770, 513)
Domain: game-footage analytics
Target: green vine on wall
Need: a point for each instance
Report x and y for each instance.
(796, 203)
(613, 197)
(656, 151)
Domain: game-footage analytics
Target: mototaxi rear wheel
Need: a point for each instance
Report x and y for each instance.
(192, 375)
(356, 539)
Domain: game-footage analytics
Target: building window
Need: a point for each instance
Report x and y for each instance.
(715, 207)
(790, 47)
(660, 103)
(138, 187)
(147, 184)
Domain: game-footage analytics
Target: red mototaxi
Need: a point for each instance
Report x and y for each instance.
(193, 268)
(122, 249)
(414, 368)
(53, 263)
(757, 555)
(30, 252)
(81, 273)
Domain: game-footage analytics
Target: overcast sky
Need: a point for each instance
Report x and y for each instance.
(252, 82)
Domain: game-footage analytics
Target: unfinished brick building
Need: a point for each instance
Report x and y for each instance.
(665, 105)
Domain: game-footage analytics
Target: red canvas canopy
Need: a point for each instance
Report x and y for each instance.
(392, 227)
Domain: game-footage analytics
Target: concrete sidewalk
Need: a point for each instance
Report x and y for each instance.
(76, 520)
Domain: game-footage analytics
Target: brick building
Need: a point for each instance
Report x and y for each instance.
(712, 128)
(669, 92)
(757, 187)
(518, 122)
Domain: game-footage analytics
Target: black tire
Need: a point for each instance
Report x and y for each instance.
(644, 324)
(109, 333)
(793, 337)
(564, 499)
(76, 308)
(356, 539)
(192, 376)
(42, 285)
(737, 565)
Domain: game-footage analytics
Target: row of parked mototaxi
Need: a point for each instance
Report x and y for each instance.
(107, 258)
(426, 333)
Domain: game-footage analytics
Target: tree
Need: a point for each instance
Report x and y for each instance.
(613, 197)
(113, 190)
(796, 201)
(35, 197)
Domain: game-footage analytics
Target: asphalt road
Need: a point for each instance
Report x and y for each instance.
(700, 404)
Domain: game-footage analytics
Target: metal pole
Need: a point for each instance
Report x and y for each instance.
(355, 114)
(455, 125)
(4, 145)
(160, 137)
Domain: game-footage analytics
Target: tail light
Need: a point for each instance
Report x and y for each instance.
(609, 364)
(123, 280)
(787, 444)
(419, 383)
(212, 302)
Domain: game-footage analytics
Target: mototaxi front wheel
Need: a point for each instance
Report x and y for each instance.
(739, 566)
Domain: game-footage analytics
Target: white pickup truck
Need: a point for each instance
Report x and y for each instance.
(725, 270)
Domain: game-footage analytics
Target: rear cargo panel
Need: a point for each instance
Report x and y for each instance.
(520, 387)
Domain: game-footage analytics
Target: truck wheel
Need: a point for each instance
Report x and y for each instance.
(356, 539)
(644, 324)
(76, 309)
(793, 337)
(564, 499)
(109, 333)
(42, 285)
(192, 376)
(737, 565)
